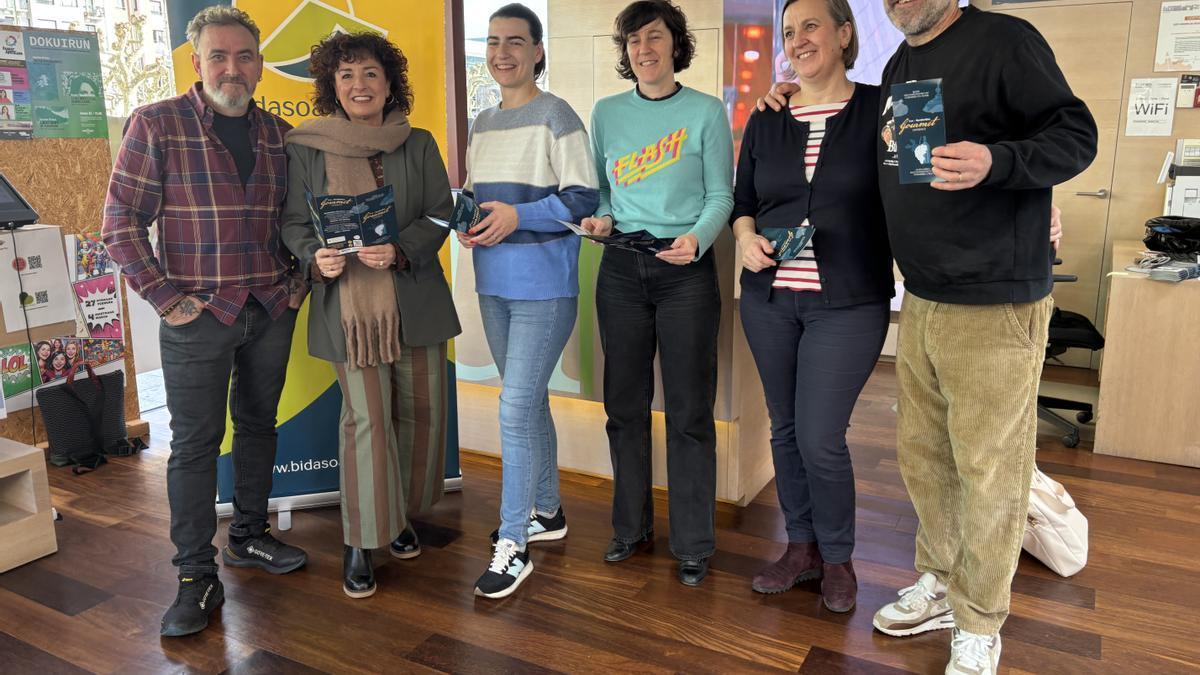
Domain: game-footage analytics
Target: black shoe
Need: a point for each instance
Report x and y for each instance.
(406, 546)
(197, 598)
(508, 570)
(358, 577)
(264, 552)
(620, 550)
(542, 528)
(692, 572)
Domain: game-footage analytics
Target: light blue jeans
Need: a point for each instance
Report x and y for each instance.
(526, 338)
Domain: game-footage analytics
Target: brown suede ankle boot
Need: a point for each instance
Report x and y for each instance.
(799, 563)
(839, 587)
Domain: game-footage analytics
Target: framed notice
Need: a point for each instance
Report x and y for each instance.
(1178, 36)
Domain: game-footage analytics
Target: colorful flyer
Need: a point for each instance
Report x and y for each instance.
(90, 255)
(100, 306)
(16, 113)
(17, 375)
(100, 352)
(56, 364)
(66, 85)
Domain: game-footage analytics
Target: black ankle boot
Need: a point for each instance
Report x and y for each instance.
(358, 578)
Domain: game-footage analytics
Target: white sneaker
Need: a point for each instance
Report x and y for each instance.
(922, 607)
(972, 654)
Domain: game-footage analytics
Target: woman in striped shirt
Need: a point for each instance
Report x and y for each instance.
(815, 324)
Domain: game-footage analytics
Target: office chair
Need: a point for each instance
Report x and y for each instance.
(1068, 330)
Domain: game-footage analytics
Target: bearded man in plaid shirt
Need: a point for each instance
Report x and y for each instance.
(209, 166)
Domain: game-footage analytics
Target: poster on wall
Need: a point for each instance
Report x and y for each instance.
(65, 84)
(39, 267)
(16, 112)
(1151, 106)
(100, 306)
(99, 339)
(18, 371)
(1178, 36)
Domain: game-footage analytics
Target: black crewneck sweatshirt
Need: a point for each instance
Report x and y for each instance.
(1002, 88)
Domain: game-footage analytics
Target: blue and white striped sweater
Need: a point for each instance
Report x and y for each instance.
(537, 158)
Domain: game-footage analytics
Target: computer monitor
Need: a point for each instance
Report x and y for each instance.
(14, 210)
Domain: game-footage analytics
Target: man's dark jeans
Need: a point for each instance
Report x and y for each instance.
(644, 304)
(203, 362)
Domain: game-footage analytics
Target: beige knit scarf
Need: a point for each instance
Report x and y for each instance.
(370, 313)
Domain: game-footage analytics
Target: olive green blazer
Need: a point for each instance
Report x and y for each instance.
(416, 172)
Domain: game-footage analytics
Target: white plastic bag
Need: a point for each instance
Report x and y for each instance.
(1056, 533)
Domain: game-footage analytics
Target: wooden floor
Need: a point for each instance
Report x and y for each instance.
(95, 605)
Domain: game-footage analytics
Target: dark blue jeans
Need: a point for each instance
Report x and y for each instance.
(205, 362)
(644, 304)
(813, 362)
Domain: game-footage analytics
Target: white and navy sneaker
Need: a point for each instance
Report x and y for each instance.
(509, 568)
(542, 528)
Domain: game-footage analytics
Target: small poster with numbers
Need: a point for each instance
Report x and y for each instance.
(33, 278)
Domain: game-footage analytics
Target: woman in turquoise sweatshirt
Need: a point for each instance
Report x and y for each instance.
(664, 154)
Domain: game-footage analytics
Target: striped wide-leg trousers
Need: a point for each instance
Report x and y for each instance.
(393, 443)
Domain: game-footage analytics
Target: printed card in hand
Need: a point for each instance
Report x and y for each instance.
(920, 127)
(348, 223)
(788, 242)
(466, 213)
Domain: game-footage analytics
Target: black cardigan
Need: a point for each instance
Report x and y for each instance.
(842, 202)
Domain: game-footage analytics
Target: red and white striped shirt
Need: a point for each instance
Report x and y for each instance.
(802, 274)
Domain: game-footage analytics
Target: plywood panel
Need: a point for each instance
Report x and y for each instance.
(65, 179)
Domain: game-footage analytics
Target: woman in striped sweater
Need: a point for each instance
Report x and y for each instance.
(815, 324)
(529, 164)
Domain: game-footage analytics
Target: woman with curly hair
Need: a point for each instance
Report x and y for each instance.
(384, 314)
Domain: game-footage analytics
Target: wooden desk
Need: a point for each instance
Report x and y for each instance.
(1149, 399)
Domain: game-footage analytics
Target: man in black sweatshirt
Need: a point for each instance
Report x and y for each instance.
(977, 271)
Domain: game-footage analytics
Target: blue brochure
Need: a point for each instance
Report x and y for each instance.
(920, 127)
(350, 222)
(466, 213)
(788, 242)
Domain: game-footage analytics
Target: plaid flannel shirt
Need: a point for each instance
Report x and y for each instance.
(217, 240)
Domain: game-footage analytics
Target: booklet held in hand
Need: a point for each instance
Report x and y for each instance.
(920, 121)
(788, 242)
(347, 223)
(466, 213)
(639, 241)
